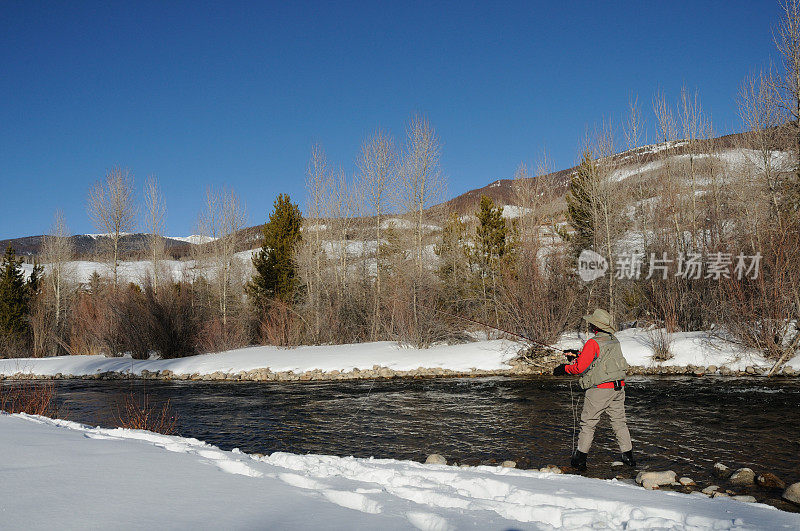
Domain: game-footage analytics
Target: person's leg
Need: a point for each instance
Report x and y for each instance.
(616, 411)
(594, 403)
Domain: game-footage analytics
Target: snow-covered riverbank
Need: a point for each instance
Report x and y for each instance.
(386, 359)
(59, 474)
(483, 355)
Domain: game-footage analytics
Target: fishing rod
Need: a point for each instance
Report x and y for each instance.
(475, 321)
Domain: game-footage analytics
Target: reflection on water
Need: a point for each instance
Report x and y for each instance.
(682, 424)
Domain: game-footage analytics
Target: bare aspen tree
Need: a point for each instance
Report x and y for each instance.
(667, 132)
(535, 195)
(762, 117)
(318, 190)
(341, 213)
(155, 219)
(423, 183)
(111, 207)
(717, 196)
(377, 164)
(422, 186)
(525, 191)
(57, 252)
(786, 86)
(220, 223)
(605, 204)
(634, 138)
(232, 220)
(693, 128)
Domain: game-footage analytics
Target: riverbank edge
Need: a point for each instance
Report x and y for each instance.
(518, 368)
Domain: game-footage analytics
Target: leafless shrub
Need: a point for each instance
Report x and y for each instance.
(415, 321)
(30, 398)
(93, 327)
(13, 346)
(215, 336)
(166, 322)
(660, 341)
(539, 296)
(135, 412)
(760, 312)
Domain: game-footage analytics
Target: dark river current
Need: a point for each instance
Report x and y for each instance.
(677, 423)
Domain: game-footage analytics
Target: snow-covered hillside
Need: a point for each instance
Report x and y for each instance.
(729, 160)
(63, 475)
(136, 271)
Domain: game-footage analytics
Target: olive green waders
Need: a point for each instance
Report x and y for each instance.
(596, 402)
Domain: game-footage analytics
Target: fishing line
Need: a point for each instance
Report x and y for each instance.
(363, 402)
(487, 325)
(574, 414)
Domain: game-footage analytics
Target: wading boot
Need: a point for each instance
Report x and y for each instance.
(578, 460)
(627, 458)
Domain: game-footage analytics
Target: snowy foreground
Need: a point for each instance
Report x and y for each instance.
(62, 475)
(689, 348)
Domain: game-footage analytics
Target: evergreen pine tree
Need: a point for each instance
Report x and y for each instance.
(14, 297)
(492, 249)
(276, 274)
(580, 199)
(492, 233)
(34, 284)
(453, 258)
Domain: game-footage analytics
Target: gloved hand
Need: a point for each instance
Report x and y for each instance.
(559, 371)
(571, 354)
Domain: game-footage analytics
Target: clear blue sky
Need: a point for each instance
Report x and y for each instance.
(232, 93)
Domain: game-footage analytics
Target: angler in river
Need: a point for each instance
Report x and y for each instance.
(602, 369)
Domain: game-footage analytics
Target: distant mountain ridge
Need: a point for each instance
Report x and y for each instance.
(501, 191)
(88, 245)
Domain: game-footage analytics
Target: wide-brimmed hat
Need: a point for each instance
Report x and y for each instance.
(601, 319)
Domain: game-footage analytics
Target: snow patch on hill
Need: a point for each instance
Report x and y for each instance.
(731, 160)
(194, 239)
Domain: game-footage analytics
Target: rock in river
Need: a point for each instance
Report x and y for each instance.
(552, 469)
(792, 493)
(651, 480)
(743, 476)
(769, 480)
(721, 471)
(435, 459)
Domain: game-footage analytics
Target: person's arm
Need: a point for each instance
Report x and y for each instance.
(585, 358)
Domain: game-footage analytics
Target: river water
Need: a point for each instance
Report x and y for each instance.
(678, 423)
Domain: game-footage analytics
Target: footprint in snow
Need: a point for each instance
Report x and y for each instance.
(301, 481)
(237, 467)
(98, 436)
(353, 500)
(211, 454)
(428, 521)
